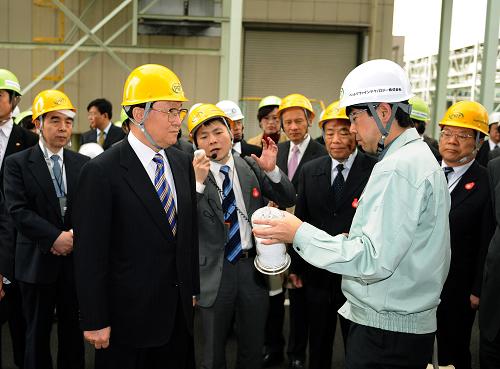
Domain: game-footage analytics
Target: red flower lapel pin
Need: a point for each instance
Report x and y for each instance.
(255, 192)
(355, 203)
(469, 186)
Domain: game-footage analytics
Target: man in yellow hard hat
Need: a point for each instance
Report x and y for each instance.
(41, 184)
(230, 189)
(296, 115)
(329, 190)
(137, 245)
(463, 129)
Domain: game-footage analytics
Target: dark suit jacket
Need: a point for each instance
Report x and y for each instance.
(214, 232)
(114, 135)
(248, 149)
(483, 154)
(19, 140)
(471, 229)
(316, 205)
(314, 150)
(489, 318)
(431, 142)
(32, 203)
(131, 273)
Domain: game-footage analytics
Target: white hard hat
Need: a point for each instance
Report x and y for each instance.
(193, 107)
(378, 80)
(16, 112)
(91, 149)
(232, 110)
(494, 118)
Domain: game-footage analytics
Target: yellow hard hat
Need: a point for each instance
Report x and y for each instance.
(50, 100)
(296, 101)
(152, 82)
(332, 111)
(467, 114)
(203, 113)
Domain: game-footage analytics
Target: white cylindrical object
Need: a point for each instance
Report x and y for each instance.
(270, 259)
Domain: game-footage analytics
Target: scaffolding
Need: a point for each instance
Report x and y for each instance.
(464, 75)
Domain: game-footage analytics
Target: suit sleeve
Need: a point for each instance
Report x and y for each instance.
(298, 264)
(6, 242)
(92, 226)
(26, 219)
(195, 263)
(282, 193)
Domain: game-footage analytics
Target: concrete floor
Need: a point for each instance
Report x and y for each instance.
(338, 354)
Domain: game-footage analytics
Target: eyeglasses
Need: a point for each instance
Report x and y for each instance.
(461, 137)
(354, 114)
(173, 113)
(341, 133)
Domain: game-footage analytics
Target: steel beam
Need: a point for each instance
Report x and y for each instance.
(490, 54)
(443, 62)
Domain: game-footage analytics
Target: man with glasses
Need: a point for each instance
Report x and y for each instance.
(396, 257)
(137, 243)
(41, 184)
(103, 131)
(463, 129)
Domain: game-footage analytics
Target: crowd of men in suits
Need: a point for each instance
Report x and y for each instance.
(127, 246)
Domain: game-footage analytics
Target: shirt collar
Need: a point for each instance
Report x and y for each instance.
(106, 130)
(144, 152)
(6, 128)
(408, 135)
(237, 147)
(492, 144)
(301, 146)
(347, 163)
(215, 166)
(460, 170)
(49, 153)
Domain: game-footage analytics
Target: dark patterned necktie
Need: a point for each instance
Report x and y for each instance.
(338, 183)
(447, 171)
(165, 193)
(232, 249)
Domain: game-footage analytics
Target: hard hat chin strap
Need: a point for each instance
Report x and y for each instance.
(385, 130)
(142, 127)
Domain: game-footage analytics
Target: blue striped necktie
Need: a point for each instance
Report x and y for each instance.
(165, 193)
(233, 246)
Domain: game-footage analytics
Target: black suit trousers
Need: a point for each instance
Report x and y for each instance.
(11, 312)
(176, 353)
(489, 352)
(39, 301)
(455, 318)
(322, 306)
(373, 348)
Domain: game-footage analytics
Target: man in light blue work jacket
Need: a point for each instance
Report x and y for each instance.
(396, 257)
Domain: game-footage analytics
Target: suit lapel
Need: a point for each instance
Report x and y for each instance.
(354, 179)
(138, 179)
(322, 177)
(213, 197)
(465, 187)
(282, 159)
(245, 180)
(39, 169)
(71, 172)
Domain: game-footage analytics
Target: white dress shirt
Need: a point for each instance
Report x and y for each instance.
(493, 145)
(5, 131)
(106, 130)
(301, 146)
(50, 164)
(245, 226)
(455, 176)
(347, 166)
(146, 155)
(237, 147)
